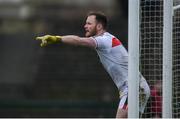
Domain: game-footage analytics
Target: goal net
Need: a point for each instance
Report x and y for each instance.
(176, 60)
(151, 54)
(151, 40)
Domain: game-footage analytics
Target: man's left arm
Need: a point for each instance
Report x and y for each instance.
(68, 39)
(76, 40)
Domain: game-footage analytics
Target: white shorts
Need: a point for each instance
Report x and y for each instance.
(144, 95)
(123, 103)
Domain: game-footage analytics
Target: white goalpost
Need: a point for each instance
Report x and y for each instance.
(133, 65)
(154, 50)
(167, 59)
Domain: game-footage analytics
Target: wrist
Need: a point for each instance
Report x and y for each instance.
(58, 38)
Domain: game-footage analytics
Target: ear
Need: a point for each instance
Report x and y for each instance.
(99, 26)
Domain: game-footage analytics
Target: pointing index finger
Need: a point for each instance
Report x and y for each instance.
(39, 38)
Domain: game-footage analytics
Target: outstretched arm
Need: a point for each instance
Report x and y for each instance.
(68, 39)
(76, 40)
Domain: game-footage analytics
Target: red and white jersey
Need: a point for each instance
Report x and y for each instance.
(114, 58)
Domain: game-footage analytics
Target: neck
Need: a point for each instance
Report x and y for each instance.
(100, 32)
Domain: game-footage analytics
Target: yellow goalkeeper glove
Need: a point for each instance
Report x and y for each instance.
(48, 39)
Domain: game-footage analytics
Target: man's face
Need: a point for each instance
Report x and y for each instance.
(90, 26)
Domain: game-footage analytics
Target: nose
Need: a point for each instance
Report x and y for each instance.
(85, 26)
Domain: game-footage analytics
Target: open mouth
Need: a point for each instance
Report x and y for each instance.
(86, 30)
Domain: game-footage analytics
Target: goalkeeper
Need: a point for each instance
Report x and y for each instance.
(112, 54)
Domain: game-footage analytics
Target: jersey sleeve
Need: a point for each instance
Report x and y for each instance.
(102, 42)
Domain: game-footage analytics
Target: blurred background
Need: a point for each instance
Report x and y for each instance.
(59, 80)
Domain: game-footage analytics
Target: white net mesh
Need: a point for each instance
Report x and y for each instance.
(151, 36)
(151, 40)
(176, 61)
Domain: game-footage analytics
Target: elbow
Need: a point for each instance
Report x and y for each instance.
(77, 40)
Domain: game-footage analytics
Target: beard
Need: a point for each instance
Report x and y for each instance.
(90, 33)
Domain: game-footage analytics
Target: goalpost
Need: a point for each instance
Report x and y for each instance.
(154, 50)
(133, 64)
